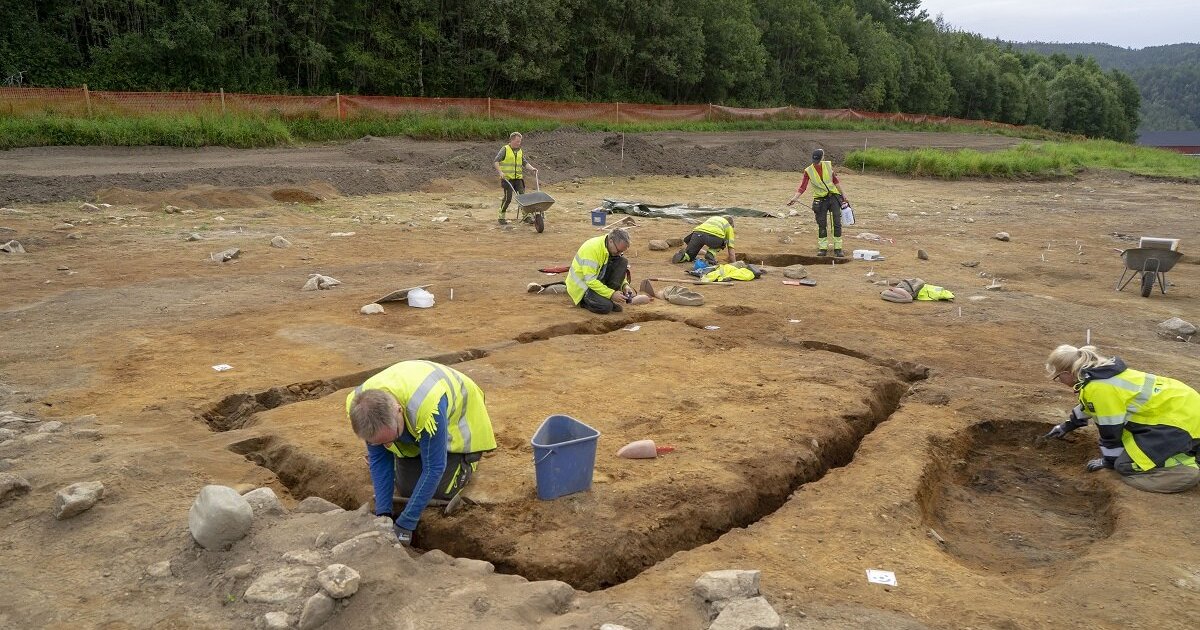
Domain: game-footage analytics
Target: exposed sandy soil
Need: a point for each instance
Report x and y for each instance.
(819, 432)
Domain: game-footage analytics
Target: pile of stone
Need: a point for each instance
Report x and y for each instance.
(732, 601)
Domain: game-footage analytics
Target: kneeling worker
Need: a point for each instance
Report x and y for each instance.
(1149, 425)
(716, 234)
(598, 279)
(426, 428)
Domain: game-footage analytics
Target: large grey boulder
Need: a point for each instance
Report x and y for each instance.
(219, 517)
(12, 485)
(280, 585)
(728, 584)
(339, 581)
(264, 501)
(748, 614)
(1176, 329)
(77, 498)
(317, 610)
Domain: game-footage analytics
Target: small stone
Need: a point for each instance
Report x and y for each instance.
(440, 219)
(65, 226)
(192, 237)
(727, 584)
(1001, 236)
(364, 541)
(160, 569)
(339, 581)
(241, 571)
(12, 485)
(970, 263)
(54, 426)
(75, 236)
(893, 216)
(90, 207)
(437, 556)
(995, 286)
(263, 501)
(12, 247)
(219, 517)
(795, 272)
(612, 626)
(317, 610)
(322, 539)
(970, 220)
(922, 255)
(276, 621)
(675, 242)
(1176, 329)
(226, 255)
(785, 239)
(317, 281)
(475, 566)
(280, 585)
(551, 596)
(316, 505)
(63, 268)
(172, 210)
(310, 557)
(371, 309)
(280, 242)
(88, 434)
(748, 614)
(77, 498)
(658, 245)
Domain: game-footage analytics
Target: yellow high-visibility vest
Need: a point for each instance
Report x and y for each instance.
(823, 185)
(718, 227)
(512, 163)
(585, 270)
(1159, 417)
(419, 386)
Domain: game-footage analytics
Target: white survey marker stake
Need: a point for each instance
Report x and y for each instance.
(632, 328)
(222, 367)
(712, 328)
(876, 576)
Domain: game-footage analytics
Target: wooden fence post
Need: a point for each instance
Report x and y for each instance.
(87, 98)
(489, 108)
(222, 101)
(618, 112)
(338, 99)
(708, 113)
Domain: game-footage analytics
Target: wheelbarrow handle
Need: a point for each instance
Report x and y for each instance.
(537, 184)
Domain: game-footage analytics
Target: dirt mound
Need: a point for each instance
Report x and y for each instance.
(204, 196)
(457, 184)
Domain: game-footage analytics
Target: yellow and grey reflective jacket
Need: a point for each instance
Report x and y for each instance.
(1151, 418)
(419, 386)
(585, 270)
(719, 227)
(513, 163)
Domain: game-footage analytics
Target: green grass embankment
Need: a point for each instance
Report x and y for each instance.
(1028, 160)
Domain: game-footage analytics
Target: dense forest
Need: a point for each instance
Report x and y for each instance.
(1168, 78)
(875, 55)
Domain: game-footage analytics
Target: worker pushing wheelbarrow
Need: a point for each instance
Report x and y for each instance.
(511, 165)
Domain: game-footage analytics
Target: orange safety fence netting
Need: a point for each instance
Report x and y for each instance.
(80, 101)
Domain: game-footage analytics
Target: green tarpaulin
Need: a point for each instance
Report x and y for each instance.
(678, 210)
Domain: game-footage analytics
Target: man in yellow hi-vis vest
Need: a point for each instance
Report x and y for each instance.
(511, 164)
(827, 200)
(426, 428)
(1149, 425)
(716, 233)
(599, 279)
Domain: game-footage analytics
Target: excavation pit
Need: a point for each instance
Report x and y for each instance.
(1004, 502)
(787, 260)
(638, 512)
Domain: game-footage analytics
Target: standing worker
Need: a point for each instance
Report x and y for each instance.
(716, 233)
(511, 164)
(426, 429)
(1149, 425)
(599, 278)
(827, 200)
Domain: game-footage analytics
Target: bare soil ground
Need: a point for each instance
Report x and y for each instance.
(819, 432)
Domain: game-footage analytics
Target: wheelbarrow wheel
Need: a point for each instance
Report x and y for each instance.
(1147, 283)
(539, 222)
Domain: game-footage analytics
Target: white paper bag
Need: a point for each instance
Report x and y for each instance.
(847, 214)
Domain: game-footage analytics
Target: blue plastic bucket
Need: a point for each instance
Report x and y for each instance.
(599, 217)
(564, 456)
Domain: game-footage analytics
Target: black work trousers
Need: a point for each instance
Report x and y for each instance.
(824, 207)
(612, 275)
(519, 184)
(698, 240)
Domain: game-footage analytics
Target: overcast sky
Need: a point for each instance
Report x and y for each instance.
(1129, 23)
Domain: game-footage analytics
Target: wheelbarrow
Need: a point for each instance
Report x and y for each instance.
(1150, 264)
(533, 204)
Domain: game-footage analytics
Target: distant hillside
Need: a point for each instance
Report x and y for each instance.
(1167, 77)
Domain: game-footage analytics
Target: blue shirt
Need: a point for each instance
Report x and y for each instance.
(382, 464)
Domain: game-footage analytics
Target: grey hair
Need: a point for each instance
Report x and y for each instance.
(514, 135)
(619, 237)
(1066, 358)
(371, 411)
(729, 218)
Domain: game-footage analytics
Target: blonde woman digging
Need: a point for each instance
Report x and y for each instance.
(1149, 425)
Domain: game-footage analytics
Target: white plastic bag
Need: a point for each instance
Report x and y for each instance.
(420, 298)
(847, 214)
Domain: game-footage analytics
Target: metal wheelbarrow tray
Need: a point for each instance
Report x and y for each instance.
(1149, 263)
(535, 203)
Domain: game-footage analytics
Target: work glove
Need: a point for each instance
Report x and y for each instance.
(1100, 463)
(1058, 432)
(404, 536)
